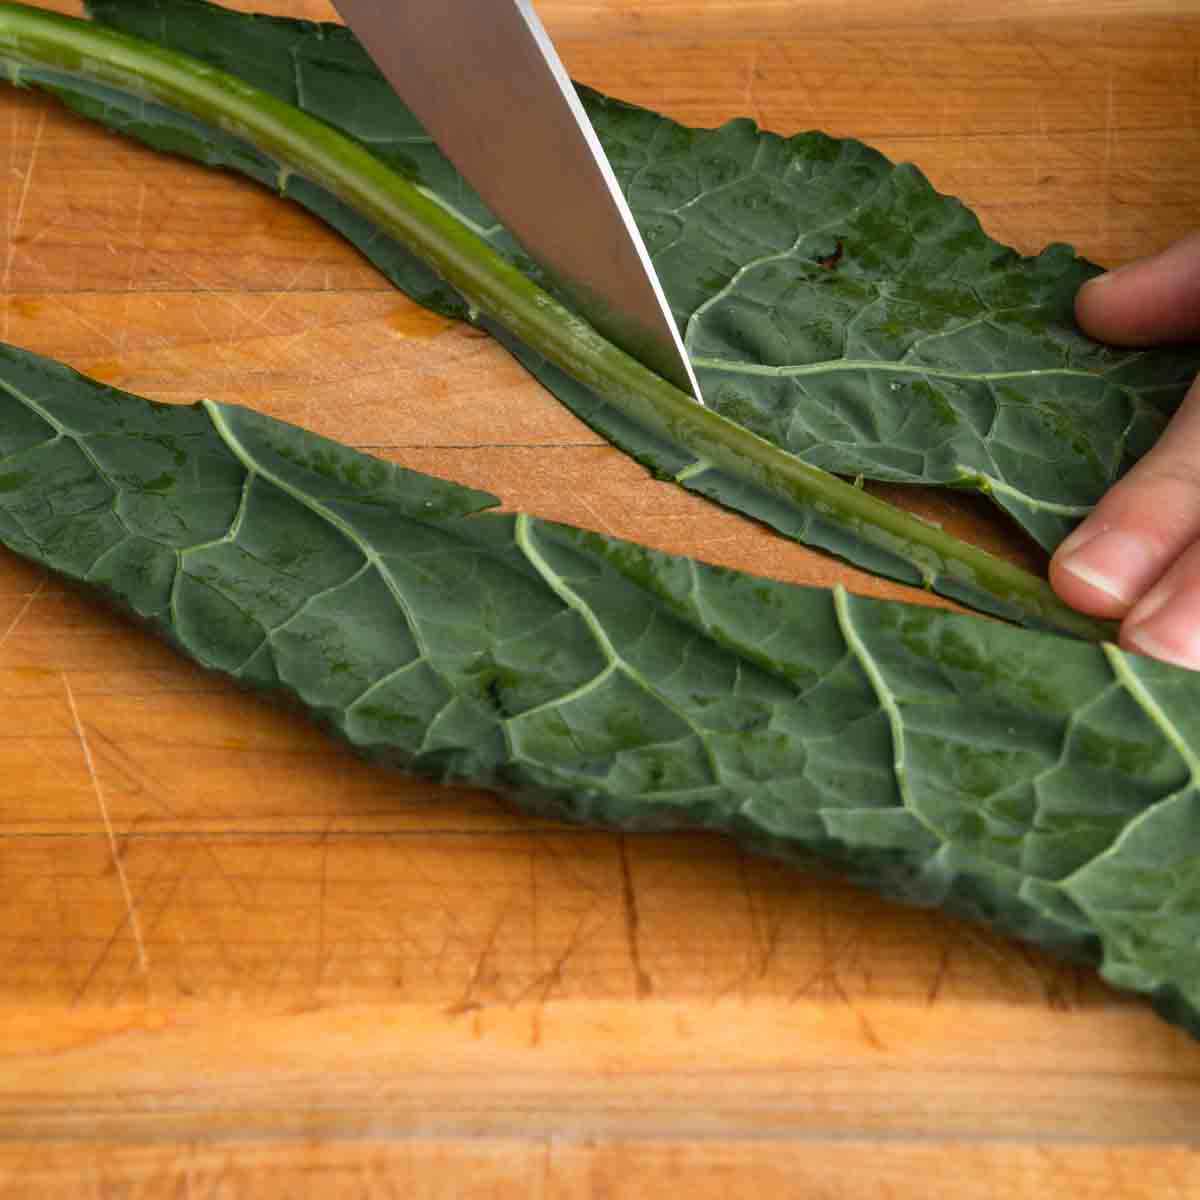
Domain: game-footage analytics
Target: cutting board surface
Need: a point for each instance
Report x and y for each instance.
(236, 960)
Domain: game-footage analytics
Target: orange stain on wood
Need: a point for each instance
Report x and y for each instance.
(413, 321)
(106, 370)
(27, 307)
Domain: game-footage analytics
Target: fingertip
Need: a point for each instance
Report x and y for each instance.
(1171, 635)
(1103, 310)
(1086, 595)
(1165, 623)
(1147, 301)
(1091, 293)
(1103, 572)
(1148, 646)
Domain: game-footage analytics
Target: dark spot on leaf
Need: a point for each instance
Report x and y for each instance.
(829, 262)
(15, 480)
(160, 483)
(494, 694)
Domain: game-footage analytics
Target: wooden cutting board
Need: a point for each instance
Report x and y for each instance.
(237, 961)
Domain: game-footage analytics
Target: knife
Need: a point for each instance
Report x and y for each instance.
(484, 79)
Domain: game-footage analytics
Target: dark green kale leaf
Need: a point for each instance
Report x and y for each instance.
(928, 755)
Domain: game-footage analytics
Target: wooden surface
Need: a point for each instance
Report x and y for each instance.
(235, 961)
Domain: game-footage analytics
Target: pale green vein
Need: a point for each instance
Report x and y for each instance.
(1144, 698)
(991, 486)
(707, 194)
(375, 685)
(235, 525)
(804, 235)
(526, 542)
(897, 367)
(581, 692)
(692, 470)
(59, 428)
(63, 432)
(1119, 661)
(887, 702)
(239, 451)
(885, 695)
(523, 536)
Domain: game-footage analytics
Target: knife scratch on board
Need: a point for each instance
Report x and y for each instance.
(98, 789)
(483, 972)
(643, 983)
(22, 612)
(1110, 146)
(14, 224)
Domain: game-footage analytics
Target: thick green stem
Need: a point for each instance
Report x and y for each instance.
(487, 281)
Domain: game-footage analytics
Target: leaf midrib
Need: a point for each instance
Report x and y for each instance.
(899, 367)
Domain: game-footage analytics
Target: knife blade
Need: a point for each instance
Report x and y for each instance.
(484, 79)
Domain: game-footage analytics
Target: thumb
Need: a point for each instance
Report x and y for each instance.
(1146, 302)
(1145, 523)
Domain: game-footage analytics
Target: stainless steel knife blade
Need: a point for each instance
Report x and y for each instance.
(484, 79)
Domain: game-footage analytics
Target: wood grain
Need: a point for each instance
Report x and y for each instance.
(237, 961)
(564, 1170)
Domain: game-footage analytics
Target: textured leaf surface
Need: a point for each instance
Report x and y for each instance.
(832, 301)
(928, 755)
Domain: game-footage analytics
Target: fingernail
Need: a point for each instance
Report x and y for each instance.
(1166, 626)
(1116, 563)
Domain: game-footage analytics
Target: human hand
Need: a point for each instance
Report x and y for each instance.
(1136, 557)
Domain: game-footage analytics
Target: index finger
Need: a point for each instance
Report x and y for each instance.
(1147, 302)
